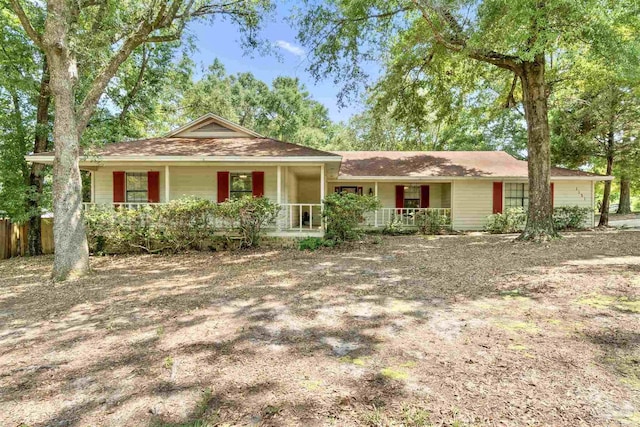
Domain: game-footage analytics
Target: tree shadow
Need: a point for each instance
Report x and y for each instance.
(230, 321)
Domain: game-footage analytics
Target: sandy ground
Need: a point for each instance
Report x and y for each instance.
(413, 331)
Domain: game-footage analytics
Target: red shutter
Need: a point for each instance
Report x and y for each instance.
(153, 186)
(223, 186)
(399, 196)
(497, 197)
(424, 196)
(257, 179)
(552, 195)
(118, 187)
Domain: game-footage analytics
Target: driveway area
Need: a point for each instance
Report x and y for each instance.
(411, 331)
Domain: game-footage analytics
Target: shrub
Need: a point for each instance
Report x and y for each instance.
(395, 227)
(313, 243)
(431, 222)
(179, 225)
(512, 220)
(344, 212)
(248, 215)
(186, 223)
(570, 217)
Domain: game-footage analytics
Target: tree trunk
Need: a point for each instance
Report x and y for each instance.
(37, 169)
(71, 249)
(604, 209)
(624, 207)
(539, 225)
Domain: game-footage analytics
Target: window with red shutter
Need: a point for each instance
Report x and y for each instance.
(223, 186)
(118, 186)
(153, 186)
(258, 184)
(497, 197)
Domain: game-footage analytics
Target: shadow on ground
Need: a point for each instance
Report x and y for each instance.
(470, 329)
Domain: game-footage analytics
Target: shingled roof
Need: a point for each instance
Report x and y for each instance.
(204, 147)
(420, 164)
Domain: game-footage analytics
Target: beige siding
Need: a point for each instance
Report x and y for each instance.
(472, 203)
(103, 181)
(473, 200)
(309, 190)
(574, 193)
(439, 193)
(200, 181)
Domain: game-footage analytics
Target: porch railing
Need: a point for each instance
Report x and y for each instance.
(404, 217)
(300, 216)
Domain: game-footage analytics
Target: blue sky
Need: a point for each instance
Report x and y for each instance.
(221, 40)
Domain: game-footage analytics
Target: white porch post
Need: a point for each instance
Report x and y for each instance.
(375, 214)
(321, 196)
(279, 194)
(93, 186)
(279, 186)
(167, 186)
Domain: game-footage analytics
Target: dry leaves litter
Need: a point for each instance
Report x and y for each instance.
(413, 331)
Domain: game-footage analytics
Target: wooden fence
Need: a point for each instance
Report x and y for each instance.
(13, 238)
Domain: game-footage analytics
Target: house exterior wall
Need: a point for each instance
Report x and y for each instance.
(439, 193)
(103, 181)
(472, 200)
(200, 181)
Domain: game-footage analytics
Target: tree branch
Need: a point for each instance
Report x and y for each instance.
(26, 23)
(136, 87)
(459, 42)
(101, 81)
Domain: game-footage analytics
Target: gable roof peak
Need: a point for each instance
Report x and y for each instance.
(234, 129)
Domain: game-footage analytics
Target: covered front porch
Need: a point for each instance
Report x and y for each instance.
(297, 189)
(402, 202)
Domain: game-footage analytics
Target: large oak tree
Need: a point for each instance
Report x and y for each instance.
(518, 37)
(103, 33)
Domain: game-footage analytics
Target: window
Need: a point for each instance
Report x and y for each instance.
(411, 197)
(349, 189)
(241, 185)
(137, 187)
(516, 195)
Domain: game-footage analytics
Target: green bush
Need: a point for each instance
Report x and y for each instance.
(432, 222)
(512, 220)
(570, 217)
(313, 243)
(344, 213)
(173, 227)
(395, 227)
(248, 216)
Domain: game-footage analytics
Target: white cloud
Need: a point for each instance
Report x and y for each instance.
(291, 48)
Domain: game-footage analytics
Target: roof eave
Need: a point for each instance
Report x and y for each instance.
(465, 178)
(159, 159)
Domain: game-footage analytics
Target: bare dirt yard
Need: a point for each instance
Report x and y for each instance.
(411, 331)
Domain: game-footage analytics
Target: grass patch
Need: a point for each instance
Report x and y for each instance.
(610, 302)
(518, 347)
(519, 326)
(394, 374)
(353, 360)
(311, 385)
